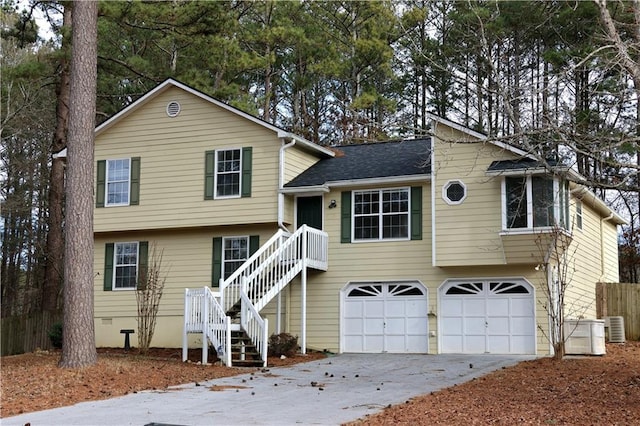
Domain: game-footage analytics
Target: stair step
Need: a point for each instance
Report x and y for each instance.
(246, 363)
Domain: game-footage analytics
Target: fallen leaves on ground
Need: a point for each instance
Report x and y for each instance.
(34, 382)
(575, 391)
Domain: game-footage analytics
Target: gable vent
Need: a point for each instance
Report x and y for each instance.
(173, 108)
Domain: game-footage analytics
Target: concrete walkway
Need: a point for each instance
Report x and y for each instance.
(330, 391)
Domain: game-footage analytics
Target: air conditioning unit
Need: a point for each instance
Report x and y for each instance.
(616, 329)
(584, 337)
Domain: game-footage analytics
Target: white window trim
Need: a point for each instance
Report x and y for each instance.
(106, 183)
(529, 192)
(223, 260)
(444, 192)
(115, 265)
(579, 215)
(380, 215)
(215, 174)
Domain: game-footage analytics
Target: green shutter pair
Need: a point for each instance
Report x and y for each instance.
(134, 184)
(143, 260)
(216, 271)
(210, 173)
(416, 215)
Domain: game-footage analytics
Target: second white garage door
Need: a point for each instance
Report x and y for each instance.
(385, 317)
(493, 316)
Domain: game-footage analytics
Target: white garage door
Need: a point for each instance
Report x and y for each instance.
(385, 317)
(487, 317)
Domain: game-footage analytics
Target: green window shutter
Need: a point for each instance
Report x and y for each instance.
(143, 260)
(217, 262)
(345, 223)
(100, 183)
(254, 244)
(416, 213)
(247, 159)
(134, 193)
(209, 174)
(108, 267)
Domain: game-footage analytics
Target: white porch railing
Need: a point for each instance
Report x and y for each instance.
(251, 287)
(204, 314)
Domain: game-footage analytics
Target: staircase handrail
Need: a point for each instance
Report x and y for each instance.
(203, 313)
(256, 327)
(230, 287)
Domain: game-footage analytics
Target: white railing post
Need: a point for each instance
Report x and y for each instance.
(265, 340)
(205, 326)
(303, 293)
(187, 317)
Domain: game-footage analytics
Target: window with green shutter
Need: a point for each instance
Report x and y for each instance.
(124, 264)
(228, 173)
(381, 214)
(229, 253)
(118, 182)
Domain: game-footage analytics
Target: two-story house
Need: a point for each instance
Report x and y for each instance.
(435, 245)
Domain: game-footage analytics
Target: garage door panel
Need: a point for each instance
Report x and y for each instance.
(452, 307)
(452, 326)
(487, 316)
(474, 344)
(499, 344)
(522, 326)
(474, 307)
(474, 325)
(374, 308)
(353, 309)
(452, 344)
(393, 318)
(498, 307)
(521, 306)
(373, 343)
(353, 326)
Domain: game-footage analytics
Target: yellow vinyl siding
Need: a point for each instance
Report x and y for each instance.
(187, 260)
(172, 152)
(297, 161)
(467, 233)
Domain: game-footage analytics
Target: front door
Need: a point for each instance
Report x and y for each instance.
(309, 212)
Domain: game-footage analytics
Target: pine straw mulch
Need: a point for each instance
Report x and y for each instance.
(575, 391)
(34, 382)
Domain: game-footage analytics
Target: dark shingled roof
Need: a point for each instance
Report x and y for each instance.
(367, 161)
(520, 164)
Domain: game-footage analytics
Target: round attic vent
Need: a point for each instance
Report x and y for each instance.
(173, 108)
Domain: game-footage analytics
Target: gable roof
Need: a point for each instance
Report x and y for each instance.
(169, 83)
(388, 161)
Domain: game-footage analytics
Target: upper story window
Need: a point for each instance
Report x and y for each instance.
(118, 178)
(125, 274)
(535, 201)
(118, 182)
(235, 252)
(228, 173)
(381, 214)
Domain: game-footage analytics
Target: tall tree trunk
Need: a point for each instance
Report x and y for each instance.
(55, 237)
(78, 347)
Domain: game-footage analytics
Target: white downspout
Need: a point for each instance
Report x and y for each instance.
(602, 221)
(284, 147)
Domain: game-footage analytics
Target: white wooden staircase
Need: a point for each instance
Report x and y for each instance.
(229, 319)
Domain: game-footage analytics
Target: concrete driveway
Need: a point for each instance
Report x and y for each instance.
(330, 391)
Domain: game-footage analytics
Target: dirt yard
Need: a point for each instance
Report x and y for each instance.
(576, 391)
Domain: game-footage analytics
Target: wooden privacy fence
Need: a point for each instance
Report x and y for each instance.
(26, 333)
(620, 299)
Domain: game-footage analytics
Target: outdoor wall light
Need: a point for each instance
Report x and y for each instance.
(333, 204)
